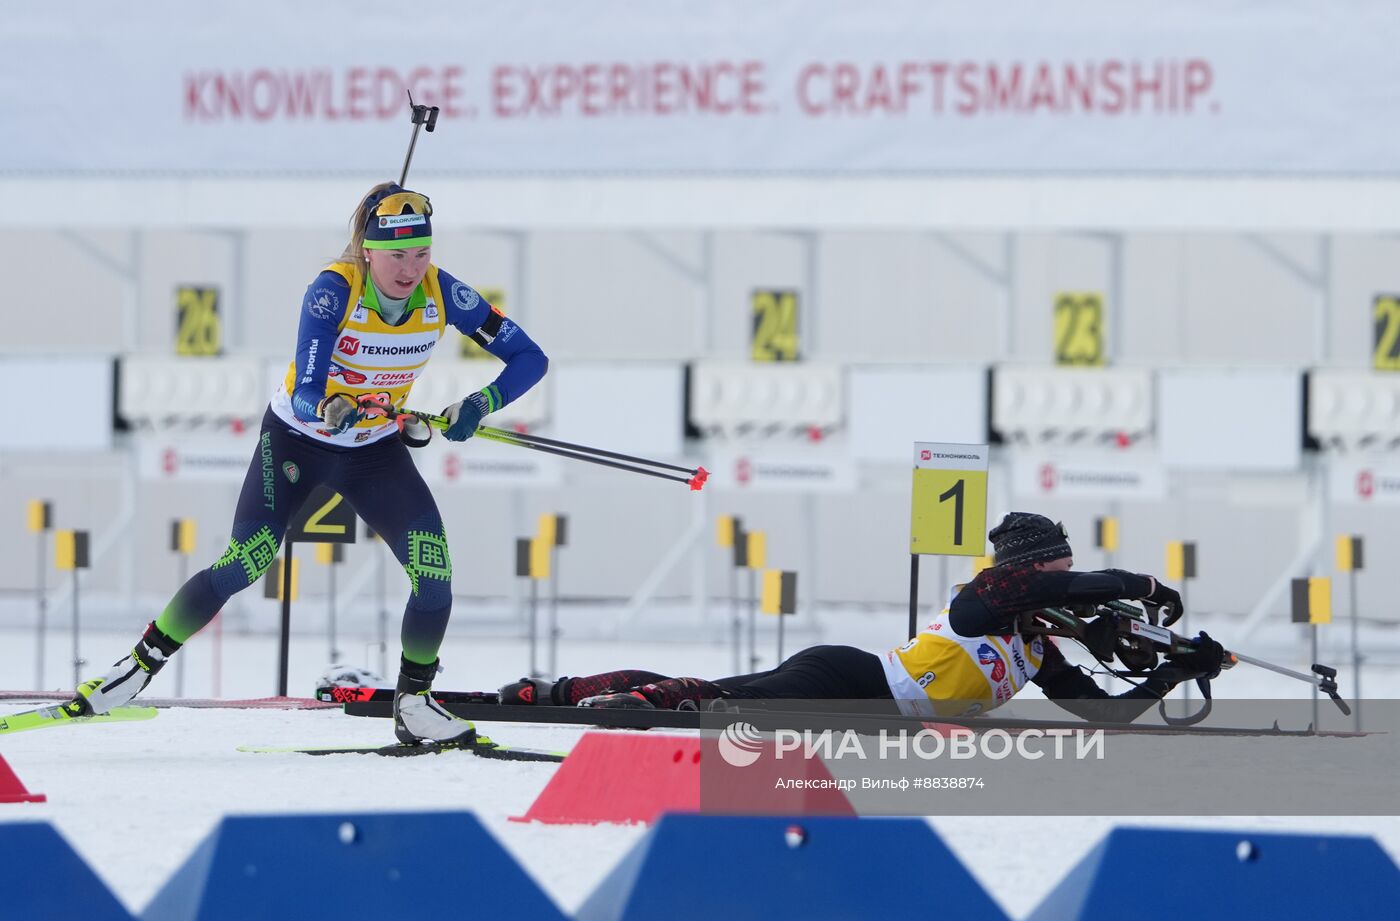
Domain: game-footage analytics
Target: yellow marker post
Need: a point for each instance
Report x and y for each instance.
(553, 532)
(548, 524)
(39, 520)
(63, 550)
(532, 563)
(71, 553)
(1181, 565)
(1351, 560)
(280, 584)
(1181, 560)
(182, 542)
(755, 558)
(729, 535)
(1106, 538)
(776, 597)
(1106, 533)
(539, 559)
(780, 598)
(381, 619)
(1181, 568)
(182, 537)
(330, 555)
(758, 549)
(39, 515)
(1312, 605)
(725, 528)
(1350, 553)
(948, 509)
(1319, 600)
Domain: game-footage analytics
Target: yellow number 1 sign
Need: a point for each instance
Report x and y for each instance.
(949, 508)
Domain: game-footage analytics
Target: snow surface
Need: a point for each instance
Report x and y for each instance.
(165, 783)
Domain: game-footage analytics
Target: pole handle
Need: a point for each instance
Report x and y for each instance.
(422, 117)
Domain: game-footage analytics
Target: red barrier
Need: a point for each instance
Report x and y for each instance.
(12, 790)
(634, 778)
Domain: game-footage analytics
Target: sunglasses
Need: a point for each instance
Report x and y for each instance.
(394, 205)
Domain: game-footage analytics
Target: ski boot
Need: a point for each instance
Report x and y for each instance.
(418, 717)
(527, 691)
(128, 677)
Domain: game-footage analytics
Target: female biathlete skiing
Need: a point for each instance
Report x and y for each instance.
(369, 323)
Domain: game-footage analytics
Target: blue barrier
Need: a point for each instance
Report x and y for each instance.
(758, 867)
(1151, 874)
(50, 880)
(376, 865)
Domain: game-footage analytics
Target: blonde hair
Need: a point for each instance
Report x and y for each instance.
(355, 249)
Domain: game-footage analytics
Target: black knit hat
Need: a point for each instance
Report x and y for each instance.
(397, 218)
(1024, 538)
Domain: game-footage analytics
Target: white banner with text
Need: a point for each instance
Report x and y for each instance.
(784, 472)
(1373, 482)
(1088, 478)
(659, 86)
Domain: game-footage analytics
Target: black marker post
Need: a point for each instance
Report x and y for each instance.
(325, 518)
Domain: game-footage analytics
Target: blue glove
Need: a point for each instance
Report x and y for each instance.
(340, 412)
(466, 414)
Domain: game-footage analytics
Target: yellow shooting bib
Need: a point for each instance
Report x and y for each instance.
(939, 673)
(372, 357)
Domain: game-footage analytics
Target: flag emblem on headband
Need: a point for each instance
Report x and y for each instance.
(403, 232)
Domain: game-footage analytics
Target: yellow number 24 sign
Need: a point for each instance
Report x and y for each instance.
(775, 329)
(949, 507)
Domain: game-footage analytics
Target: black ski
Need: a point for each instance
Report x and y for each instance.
(769, 718)
(481, 747)
(345, 695)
